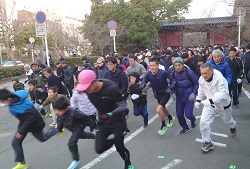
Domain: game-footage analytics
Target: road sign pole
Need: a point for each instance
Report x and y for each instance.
(239, 29)
(114, 44)
(47, 51)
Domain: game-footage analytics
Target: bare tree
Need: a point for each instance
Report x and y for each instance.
(99, 36)
(10, 26)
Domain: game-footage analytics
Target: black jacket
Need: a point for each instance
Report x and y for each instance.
(38, 94)
(73, 119)
(119, 77)
(53, 80)
(236, 67)
(135, 89)
(19, 86)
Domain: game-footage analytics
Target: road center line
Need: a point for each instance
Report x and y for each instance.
(172, 164)
(214, 143)
(127, 139)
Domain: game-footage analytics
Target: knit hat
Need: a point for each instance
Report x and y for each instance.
(15, 79)
(178, 60)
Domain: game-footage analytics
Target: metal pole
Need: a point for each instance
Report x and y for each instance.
(114, 44)
(239, 29)
(32, 52)
(47, 51)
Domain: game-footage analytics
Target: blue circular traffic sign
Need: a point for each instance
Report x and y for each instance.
(40, 17)
(112, 25)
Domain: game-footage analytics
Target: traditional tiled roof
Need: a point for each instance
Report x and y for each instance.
(202, 21)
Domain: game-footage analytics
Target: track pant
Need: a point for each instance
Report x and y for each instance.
(187, 108)
(233, 91)
(76, 135)
(103, 143)
(141, 110)
(207, 117)
(17, 143)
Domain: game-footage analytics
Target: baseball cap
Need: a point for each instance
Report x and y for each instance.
(85, 78)
(34, 63)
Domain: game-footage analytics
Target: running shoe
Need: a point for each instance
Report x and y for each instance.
(129, 167)
(170, 124)
(233, 131)
(74, 164)
(207, 147)
(183, 131)
(21, 166)
(162, 130)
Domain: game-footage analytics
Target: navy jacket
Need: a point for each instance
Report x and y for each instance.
(119, 77)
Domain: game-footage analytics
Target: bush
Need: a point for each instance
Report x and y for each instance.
(6, 72)
(72, 60)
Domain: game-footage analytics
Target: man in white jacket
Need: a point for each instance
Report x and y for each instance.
(213, 93)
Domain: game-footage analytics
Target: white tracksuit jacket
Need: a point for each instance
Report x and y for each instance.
(217, 90)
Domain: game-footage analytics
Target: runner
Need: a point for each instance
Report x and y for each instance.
(105, 96)
(158, 79)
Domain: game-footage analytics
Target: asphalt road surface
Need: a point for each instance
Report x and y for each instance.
(148, 150)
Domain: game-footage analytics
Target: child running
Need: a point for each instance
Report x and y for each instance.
(75, 121)
(138, 97)
(29, 121)
(52, 96)
(38, 96)
(80, 100)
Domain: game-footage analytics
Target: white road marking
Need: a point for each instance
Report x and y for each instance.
(113, 149)
(214, 143)
(246, 92)
(219, 134)
(172, 164)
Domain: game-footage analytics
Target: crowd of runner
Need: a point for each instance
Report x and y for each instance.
(96, 94)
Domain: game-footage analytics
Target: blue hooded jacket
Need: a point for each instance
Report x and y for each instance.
(223, 67)
(17, 108)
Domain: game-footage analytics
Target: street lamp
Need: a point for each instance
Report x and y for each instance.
(240, 12)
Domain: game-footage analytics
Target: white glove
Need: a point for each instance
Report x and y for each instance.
(134, 96)
(173, 96)
(239, 80)
(40, 107)
(206, 103)
(197, 105)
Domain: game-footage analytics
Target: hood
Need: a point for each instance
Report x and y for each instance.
(19, 107)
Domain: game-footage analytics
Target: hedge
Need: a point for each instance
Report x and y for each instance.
(71, 61)
(6, 72)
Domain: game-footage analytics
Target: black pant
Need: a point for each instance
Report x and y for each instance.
(103, 144)
(76, 135)
(246, 70)
(233, 90)
(239, 88)
(94, 126)
(17, 143)
(69, 86)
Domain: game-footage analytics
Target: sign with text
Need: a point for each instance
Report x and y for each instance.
(40, 30)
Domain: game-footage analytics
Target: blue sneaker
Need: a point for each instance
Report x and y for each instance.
(235, 106)
(74, 164)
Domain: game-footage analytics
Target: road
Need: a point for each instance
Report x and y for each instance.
(148, 149)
